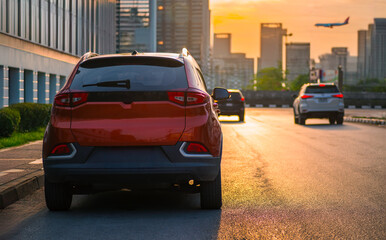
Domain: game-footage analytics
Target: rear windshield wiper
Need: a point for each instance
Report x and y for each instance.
(122, 83)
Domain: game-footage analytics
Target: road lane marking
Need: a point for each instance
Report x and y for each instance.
(37, 161)
(13, 171)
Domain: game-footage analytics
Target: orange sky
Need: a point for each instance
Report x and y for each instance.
(242, 18)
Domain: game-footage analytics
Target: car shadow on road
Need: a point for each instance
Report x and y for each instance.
(231, 122)
(128, 215)
(332, 127)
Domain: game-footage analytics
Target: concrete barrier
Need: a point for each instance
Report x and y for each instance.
(285, 98)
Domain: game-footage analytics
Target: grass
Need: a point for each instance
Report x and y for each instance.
(18, 138)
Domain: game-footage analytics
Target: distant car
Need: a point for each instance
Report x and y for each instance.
(319, 101)
(235, 105)
(134, 121)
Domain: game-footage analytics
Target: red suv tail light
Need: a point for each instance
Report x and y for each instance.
(70, 99)
(242, 99)
(177, 97)
(338, 95)
(189, 98)
(194, 98)
(306, 96)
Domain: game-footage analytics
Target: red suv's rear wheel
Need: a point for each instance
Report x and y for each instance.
(211, 197)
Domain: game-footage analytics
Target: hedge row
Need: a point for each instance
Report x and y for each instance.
(9, 121)
(23, 117)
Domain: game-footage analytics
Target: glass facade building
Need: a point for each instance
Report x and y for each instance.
(41, 40)
(132, 25)
(184, 23)
(71, 26)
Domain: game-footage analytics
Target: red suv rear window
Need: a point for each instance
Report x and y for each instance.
(143, 74)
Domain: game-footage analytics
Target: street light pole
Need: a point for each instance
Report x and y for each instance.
(153, 25)
(340, 78)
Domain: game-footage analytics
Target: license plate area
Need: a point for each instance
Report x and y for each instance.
(322, 100)
(229, 104)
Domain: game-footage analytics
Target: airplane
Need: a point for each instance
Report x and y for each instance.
(331, 25)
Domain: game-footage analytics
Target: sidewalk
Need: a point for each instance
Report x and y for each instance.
(21, 172)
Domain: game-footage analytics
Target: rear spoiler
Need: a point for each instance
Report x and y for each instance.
(87, 56)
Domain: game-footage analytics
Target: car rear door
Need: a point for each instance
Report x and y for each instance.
(323, 97)
(136, 114)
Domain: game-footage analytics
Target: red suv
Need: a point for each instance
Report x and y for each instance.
(140, 120)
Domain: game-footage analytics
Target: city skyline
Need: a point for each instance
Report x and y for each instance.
(299, 17)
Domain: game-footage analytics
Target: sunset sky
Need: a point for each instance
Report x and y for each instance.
(242, 18)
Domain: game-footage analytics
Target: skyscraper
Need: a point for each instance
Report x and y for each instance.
(361, 64)
(378, 49)
(369, 40)
(132, 25)
(372, 50)
(271, 45)
(297, 59)
(184, 23)
(230, 70)
(222, 45)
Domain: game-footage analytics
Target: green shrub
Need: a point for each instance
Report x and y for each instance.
(33, 115)
(9, 121)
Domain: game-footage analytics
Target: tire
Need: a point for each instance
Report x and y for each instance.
(241, 117)
(296, 120)
(339, 120)
(58, 196)
(302, 120)
(332, 120)
(210, 194)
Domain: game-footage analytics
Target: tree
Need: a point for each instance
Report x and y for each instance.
(269, 79)
(298, 82)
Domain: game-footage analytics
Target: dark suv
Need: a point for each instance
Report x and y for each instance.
(133, 121)
(235, 105)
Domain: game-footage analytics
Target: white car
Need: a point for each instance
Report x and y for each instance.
(319, 100)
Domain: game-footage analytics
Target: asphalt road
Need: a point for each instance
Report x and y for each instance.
(280, 181)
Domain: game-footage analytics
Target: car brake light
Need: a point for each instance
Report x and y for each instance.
(177, 97)
(191, 98)
(61, 149)
(196, 148)
(338, 95)
(70, 99)
(242, 99)
(194, 98)
(62, 100)
(306, 96)
(322, 85)
(78, 98)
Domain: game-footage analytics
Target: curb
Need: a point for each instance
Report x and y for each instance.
(20, 187)
(365, 120)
